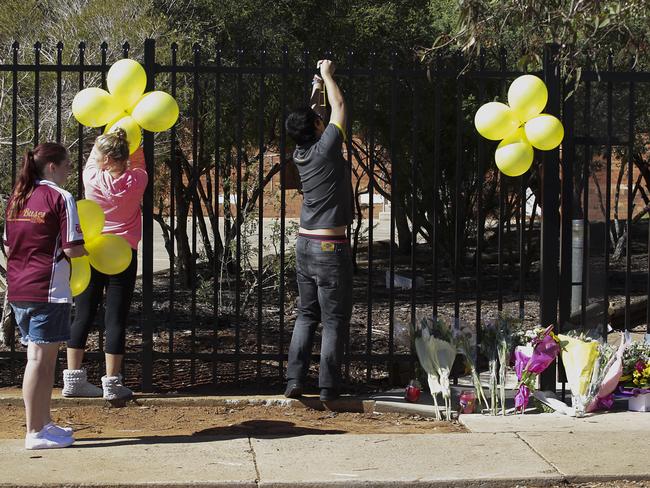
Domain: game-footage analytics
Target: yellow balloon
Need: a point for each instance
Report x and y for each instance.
(109, 254)
(79, 275)
(495, 121)
(126, 80)
(514, 155)
(129, 110)
(115, 119)
(92, 218)
(132, 129)
(527, 97)
(544, 132)
(156, 112)
(95, 107)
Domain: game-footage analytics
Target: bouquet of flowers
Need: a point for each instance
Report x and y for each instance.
(531, 360)
(497, 341)
(591, 368)
(607, 377)
(488, 347)
(635, 377)
(436, 350)
(467, 347)
(505, 343)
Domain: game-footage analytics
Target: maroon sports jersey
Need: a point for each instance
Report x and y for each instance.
(37, 269)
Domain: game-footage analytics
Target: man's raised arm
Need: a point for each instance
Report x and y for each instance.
(338, 115)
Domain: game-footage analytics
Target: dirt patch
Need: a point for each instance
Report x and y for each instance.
(150, 421)
(597, 484)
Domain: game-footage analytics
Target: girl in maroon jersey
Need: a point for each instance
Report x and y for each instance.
(42, 233)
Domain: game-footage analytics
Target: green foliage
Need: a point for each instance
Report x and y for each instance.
(74, 21)
(318, 26)
(581, 29)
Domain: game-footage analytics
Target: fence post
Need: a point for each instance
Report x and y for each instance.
(550, 236)
(566, 217)
(147, 233)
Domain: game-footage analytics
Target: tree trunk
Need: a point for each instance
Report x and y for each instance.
(402, 227)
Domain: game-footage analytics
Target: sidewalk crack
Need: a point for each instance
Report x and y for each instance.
(548, 461)
(257, 471)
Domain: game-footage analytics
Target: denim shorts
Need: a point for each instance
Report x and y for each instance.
(42, 322)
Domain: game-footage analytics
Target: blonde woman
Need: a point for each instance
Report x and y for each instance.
(117, 183)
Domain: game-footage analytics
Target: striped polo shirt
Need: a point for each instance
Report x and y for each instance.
(37, 269)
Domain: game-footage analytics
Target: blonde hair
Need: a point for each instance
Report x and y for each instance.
(114, 145)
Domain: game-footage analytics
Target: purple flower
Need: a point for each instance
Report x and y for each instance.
(545, 350)
(521, 360)
(521, 398)
(604, 403)
(544, 353)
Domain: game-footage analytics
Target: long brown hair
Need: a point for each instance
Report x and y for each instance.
(34, 163)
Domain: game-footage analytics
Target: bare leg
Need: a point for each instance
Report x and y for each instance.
(113, 364)
(37, 384)
(75, 358)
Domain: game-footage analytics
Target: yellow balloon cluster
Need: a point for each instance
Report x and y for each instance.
(520, 125)
(80, 275)
(107, 253)
(125, 105)
(514, 154)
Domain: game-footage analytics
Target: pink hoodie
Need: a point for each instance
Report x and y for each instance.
(119, 197)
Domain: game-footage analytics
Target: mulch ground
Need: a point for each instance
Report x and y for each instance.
(249, 420)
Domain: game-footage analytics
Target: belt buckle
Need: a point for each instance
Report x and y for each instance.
(327, 246)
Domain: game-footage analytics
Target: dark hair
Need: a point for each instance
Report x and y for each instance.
(34, 163)
(301, 125)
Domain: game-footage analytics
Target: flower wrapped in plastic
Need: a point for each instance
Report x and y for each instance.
(586, 362)
(608, 377)
(466, 344)
(489, 349)
(497, 342)
(531, 360)
(436, 350)
(505, 342)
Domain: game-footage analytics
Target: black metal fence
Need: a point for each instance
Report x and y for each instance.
(216, 299)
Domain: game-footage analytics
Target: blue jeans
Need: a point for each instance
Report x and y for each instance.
(42, 322)
(324, 274)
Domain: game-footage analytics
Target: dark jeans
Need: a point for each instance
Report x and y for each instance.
(119, 293)
(324, 274)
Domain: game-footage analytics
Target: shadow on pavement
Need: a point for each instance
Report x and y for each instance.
(242, 430)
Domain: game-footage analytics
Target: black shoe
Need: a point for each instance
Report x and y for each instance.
(329, 394)
(294, 390)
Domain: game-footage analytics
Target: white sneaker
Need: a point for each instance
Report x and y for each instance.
(57, 430)
(114, 389)
(75, 384)
(45, 440)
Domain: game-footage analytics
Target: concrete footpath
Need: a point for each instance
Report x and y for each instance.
(529, 450)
